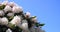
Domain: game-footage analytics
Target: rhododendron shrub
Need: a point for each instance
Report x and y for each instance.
(13, 19)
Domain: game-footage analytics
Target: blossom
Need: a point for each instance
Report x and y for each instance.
(17, 9)
(16, 20)
(10, 14)
(1, 13)
(27, 14)
(9, 30)
(7, 8)
(24, 24)
(34, 19)
(12, 4)
(4, 21)
(5, 3)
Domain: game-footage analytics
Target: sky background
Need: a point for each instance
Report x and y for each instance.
(47, 11)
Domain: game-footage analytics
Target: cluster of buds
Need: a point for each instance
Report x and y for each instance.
(12, 16)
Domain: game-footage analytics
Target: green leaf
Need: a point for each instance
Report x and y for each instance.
(20, 30)
(11, 17)
(2, 7)
(11, 25)
(41, 24)
(33, 17)
(37, 24)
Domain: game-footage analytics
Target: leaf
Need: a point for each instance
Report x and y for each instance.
(11, 17)
(41, 24)
(37, 24)
(33, 17)
(11, 25)
(2, 7)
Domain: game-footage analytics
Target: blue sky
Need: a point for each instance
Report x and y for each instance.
(47, 11)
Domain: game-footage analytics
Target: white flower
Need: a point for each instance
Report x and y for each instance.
(12, 4)
(4, 21)
(27, 14)
(9, 30)
(24, 25)
(34, 19)
(17, 9)
(1, 13)
(5, 3)
(10, 14)
(7, 8)
(16, 20)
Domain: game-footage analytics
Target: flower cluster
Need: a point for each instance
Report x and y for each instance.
(12, 16)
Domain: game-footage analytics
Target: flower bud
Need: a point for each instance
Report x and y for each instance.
(12, 4)
(7, 8)
(16, 20)
(27, 14)
(10, 14)
(4, 21)
(1, 13)
(17, 9)
(5, 3)
(9, 30)
(24, 24)
(34, 19)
